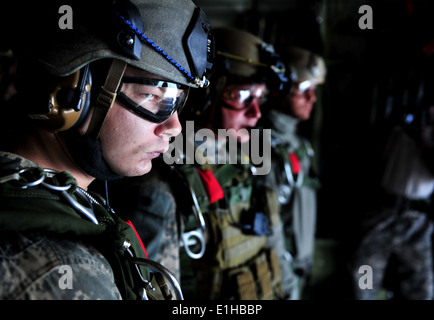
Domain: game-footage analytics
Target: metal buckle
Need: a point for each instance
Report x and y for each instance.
(27, 177)
(33, 176)
(156, 268)
(193, 237)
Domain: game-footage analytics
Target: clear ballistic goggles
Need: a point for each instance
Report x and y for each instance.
(152, 99)
(239, 97)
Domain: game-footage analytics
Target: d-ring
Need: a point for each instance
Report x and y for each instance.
(192, 235)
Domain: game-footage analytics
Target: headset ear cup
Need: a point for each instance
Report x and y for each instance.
(69, 99)
(65, 97)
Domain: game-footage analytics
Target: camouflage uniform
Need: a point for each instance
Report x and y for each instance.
(236, 264)
(49, 234)
(397, 242)
(30, 269)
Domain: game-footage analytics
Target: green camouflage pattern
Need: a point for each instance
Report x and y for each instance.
(30, 269)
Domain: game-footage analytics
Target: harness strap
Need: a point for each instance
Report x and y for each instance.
(106, 97)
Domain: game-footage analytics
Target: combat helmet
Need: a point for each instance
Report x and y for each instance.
(240, 57)
(171, 39)
(306, 67)
(245, 56)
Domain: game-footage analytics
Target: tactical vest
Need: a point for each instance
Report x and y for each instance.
(35, 199)
(236, 264)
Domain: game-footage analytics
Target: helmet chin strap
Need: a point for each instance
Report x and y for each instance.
(106, 98)
(86, 153)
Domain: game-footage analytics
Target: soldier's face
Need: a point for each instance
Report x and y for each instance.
(240, 108)
(129, 142)
(301, 101)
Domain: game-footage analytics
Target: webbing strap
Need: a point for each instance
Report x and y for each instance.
(194, 180)
(264, 278)
(106, 97)
(246, 285)
(226, 172)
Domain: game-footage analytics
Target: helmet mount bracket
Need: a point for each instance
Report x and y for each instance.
(127, 41)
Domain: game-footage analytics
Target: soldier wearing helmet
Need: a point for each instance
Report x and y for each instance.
(98, 100)
(307, 70)
(292, 175)
(218, 244)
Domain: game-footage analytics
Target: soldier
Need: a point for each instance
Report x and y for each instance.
(238, 263)
(292, 175)
(220, 250)
(97, 100)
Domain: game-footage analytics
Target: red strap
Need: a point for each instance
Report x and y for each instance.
(212, 186)
(138, 237)
(295, 163)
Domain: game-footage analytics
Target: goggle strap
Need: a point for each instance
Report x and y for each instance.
(106, 97)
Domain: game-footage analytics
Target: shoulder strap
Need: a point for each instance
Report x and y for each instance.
(195, 183)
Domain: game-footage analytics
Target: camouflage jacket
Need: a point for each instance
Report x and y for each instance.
(49, 251)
